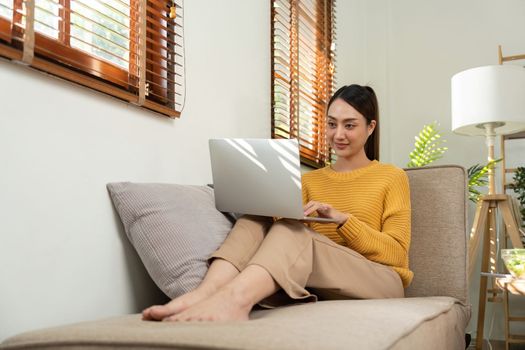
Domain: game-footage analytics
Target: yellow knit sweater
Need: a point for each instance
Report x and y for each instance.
(377, 198)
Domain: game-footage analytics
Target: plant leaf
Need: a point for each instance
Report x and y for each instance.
(426, 147)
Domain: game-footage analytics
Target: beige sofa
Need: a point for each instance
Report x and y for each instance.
(433, 315)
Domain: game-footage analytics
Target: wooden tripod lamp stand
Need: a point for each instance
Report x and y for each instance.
(489, 101)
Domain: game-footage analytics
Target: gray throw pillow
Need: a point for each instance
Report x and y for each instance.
(173, 228)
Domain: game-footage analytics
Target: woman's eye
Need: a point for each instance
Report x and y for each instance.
(349, 126)
(331, 125)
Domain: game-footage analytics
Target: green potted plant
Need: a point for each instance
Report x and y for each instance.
(428, 148)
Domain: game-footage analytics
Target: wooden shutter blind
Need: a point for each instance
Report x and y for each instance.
(303, 60)
(130, 49)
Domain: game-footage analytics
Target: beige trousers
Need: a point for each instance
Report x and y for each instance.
(306, 264)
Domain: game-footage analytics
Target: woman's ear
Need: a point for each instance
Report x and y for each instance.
(371, 127)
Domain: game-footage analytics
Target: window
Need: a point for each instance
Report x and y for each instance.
(303, 61)
(130, 49)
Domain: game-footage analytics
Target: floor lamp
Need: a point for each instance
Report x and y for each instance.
(489, 101)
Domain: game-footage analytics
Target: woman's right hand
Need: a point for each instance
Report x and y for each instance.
(325, 210)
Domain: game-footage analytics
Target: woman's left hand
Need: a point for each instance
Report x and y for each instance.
(325, 210)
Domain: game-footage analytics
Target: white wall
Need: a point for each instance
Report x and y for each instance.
(408, 50)
(63, 255)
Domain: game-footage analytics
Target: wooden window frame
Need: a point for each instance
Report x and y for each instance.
(88, 70)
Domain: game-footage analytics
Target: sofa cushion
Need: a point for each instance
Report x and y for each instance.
(340, 324)
(174, 229)
(446, 331)
(438, 245)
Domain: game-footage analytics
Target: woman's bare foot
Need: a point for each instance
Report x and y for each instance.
(234, 300)
(177, 305)
(225, 305)
(219, 274)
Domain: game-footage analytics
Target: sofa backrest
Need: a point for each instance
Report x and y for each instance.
(438, 250)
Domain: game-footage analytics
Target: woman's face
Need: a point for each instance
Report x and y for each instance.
(347, 129)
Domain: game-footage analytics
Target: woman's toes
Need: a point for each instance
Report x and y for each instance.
(146, 314)
(158, 312)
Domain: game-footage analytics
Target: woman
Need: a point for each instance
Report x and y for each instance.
(364, 255)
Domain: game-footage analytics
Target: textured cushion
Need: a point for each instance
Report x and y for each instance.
(340, 324)
(446, 331)
(174, 229)
(439, 232)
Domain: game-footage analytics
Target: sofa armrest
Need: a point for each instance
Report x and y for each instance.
(438, 251)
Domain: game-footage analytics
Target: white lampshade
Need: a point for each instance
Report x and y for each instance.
(489, 94)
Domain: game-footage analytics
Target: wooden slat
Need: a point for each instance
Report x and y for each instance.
(303, 74)
(11, 53)
(516, 318)
(282, 51)
(516, 338)
(519, 135)
(283, 4)
(513, 58)
(5, 29)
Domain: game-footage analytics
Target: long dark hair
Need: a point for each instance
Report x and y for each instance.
(364, 100)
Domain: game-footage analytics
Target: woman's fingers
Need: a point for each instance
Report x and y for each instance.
(310, 207)
(313, 206)
(324, 210)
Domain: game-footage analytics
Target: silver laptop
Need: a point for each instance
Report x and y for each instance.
(258, 176)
